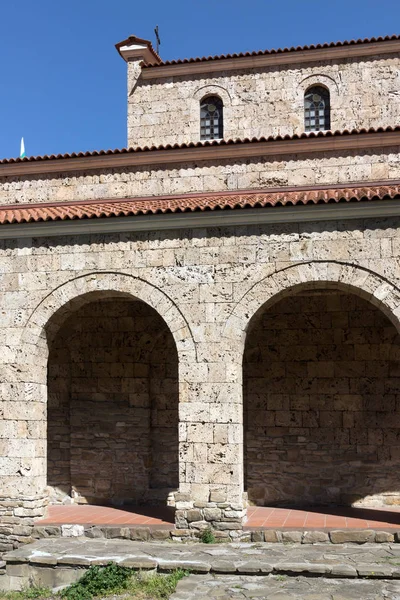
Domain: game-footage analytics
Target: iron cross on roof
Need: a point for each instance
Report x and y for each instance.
(158, 41)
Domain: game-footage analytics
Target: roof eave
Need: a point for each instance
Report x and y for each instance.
(239, 149)
(279, 58)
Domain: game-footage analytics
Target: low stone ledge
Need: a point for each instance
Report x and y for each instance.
(302, 568)
(352, 536)
(345, 571)
(384, 537)
(139, 563)
(293, 537)
(253, 568)
(39, 532)
(43, 560)
(315, 537)
(223, 567)
(375, 571)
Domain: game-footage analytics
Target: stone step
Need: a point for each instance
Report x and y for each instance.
(165, 532)
(60, 561)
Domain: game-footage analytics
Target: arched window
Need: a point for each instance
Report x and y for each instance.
(317, 109)
(211, 118)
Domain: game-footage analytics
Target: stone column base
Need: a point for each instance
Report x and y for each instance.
(17, 516)
(225, 518)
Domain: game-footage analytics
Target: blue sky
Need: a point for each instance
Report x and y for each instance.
(63, 85)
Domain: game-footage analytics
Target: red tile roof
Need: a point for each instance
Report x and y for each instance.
(192, 203)
(372, 40)
(271, 139)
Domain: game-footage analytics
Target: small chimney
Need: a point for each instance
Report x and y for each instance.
(134, 48)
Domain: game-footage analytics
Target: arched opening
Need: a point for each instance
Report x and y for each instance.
(322, 402)
(317, 109)
(112, 423)
(211, 118)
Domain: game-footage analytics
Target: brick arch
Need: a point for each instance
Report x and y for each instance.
(329, 274)
(51, 311)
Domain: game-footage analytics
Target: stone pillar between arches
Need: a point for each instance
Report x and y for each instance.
(23, 459)
(211, 448)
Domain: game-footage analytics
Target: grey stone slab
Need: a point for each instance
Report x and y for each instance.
(375, 571)
(272, 587)
(343, 571)
(341, 560)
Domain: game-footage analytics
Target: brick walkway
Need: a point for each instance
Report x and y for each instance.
(323, 518)
(160, 517)
(258, 517)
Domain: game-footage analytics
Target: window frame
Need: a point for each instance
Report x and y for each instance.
(322, 122)
(215, 123)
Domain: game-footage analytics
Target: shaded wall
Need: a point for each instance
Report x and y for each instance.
(322, 403)
(113, 405)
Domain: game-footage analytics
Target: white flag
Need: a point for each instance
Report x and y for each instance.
(22, 153)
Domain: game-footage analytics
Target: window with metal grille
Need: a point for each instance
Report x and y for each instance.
(317, 109)
(211, 118)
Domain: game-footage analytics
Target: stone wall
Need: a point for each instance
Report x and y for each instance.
(206, 284)
(264, 101)
(113, 406)
(324, 168)
(322, 403)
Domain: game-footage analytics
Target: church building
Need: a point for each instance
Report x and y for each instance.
(209, 319)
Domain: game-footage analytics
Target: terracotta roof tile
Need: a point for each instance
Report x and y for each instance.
(270, 139)
(192, 203)
(371, 40)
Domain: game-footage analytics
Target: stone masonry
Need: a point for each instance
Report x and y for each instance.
(113, 405)
(209, 364)
(263, 102)
(321, 401)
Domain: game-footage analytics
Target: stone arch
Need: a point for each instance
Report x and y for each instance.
(353, 278)
(313, 80)
(46, 317)
(194, 105)
(319, 79)
(213, 90)
(314, 349)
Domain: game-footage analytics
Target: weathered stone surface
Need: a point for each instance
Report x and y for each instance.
(160, 534)
(272, 536)
(384, 537)
(139, 563)
(358, 537)
(47, 531)
(342, 570)
(118, 532)
(95, 532)
(257, 536)
(193, 515)
(148, 350)
(72, 530)
(340, 561)
(212, 514)
(292, 536)
(280, 587)
(374, 571)
(315, 537)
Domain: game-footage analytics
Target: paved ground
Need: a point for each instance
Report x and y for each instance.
(109, 515)
(337, 560)
(275, 587)
(258, 517)
(322, 518)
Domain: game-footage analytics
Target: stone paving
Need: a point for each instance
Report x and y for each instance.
(341, 560)
(278, 587)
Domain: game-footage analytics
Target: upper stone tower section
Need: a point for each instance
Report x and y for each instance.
(337, 86)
